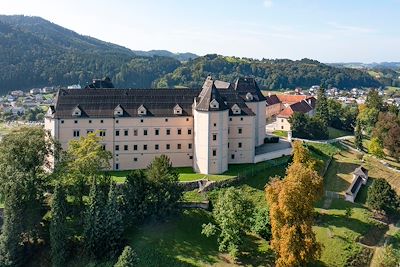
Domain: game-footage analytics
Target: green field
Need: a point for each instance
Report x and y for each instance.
(280, 133)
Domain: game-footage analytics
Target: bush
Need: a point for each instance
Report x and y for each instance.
(382, 197)
(261, 224)
(272, 139)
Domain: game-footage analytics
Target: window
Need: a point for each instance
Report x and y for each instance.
(145, 132)
(214, 152)
(241, 119)
(240, 145)
(116, 121)
(89, 131)
(117, 166)
(101, 121)
(75, 121)
(126, 132)
(179, 131)
(156, 147)
(190, 157)
(239, 130)
(126, 147)
(228, 145)
(281, 120)
(144, 147)
(102, 133)
(230, 119)
(187, 119)
(168, 146)
(134, 147)
(229, 130)
(168, 131)
(179, 146)
(190, 145)
(116, 147)
(62, 121)
(135, 132)
(215, 125)
(189, 131)
(90, 121)
(135, 159)
(233, 156)
(103, 147)
(214, 136)
(166, 120)
(282, 127)
(76, 133)
(116, 132)
(141, 120)
(157, 131)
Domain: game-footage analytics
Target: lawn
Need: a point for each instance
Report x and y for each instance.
(179, 242)
(335, 133)
(280, 133)
(187, 173)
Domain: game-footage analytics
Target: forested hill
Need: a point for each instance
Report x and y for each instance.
(270, 74)
(35, 52)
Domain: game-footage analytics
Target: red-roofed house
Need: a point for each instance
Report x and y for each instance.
(279, 108)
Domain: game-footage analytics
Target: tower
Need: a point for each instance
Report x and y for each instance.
(211, 117)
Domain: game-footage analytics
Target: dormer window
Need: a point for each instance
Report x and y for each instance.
(249, 97)
(118, 111)
(235, 109)
(76, 112)
(142, 110)
(177, 110)
(214, 104)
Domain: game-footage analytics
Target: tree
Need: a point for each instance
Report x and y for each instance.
(136, 195)
(84, 160)
(11, 248)
(358, 137)
(58, 227)
(24, 157)
(94, 222)
(232, 213)
(375, 148)
(128, 258)
(262, 224)
(387, 131)
(368, 117)
(382, 197)
(374, 100)
(291, 203)
(307, 127)
(166, 191)
(321, 109)
(113, 225)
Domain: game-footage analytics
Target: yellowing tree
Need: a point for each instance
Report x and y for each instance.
(291, 203)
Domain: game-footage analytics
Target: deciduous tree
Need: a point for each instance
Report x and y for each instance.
(382, 197)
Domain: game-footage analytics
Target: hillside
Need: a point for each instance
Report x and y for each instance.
(35, 52)
(270, 73)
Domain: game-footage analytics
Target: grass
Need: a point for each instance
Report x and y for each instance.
(187, 173)
(335, 133)
(194, 196)
(339, 234)
(179, 242)
(280, 133)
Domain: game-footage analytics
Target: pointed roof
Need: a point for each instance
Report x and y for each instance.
(208, 94)
(249, 85)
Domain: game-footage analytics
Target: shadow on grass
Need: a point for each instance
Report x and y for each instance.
(341, 221)
(252, 256)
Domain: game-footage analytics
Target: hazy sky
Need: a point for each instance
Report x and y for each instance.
(326, 30)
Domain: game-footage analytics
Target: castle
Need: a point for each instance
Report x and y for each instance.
(206, 128)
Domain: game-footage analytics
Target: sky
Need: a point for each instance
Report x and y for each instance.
(325, 30)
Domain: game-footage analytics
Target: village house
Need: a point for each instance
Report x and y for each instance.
(207, 128)
(279, 108)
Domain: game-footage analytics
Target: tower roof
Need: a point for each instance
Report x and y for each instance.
(208, 96)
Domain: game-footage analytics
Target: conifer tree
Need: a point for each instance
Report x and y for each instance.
(358, 138)
(113, 228)
(94, 221)
(128, 258)
(321, 110)
(11, 250)
(58, 227)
